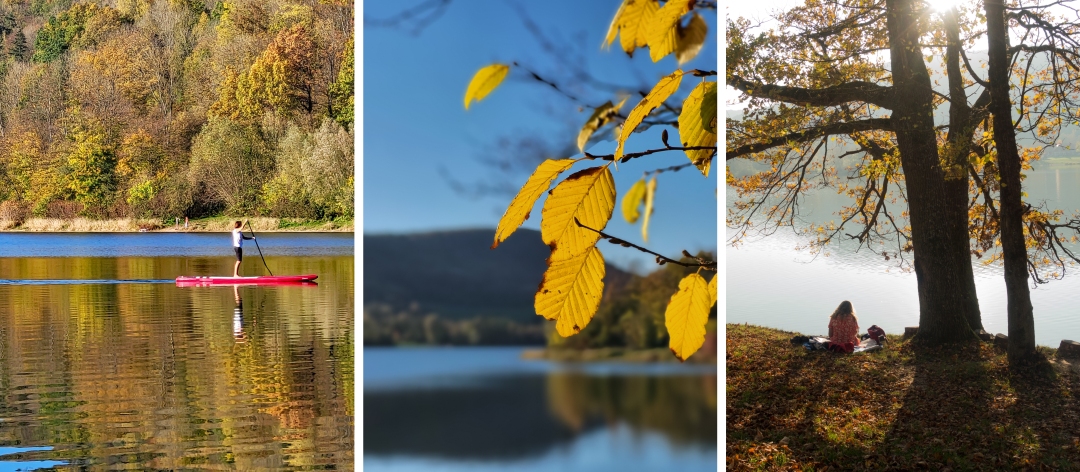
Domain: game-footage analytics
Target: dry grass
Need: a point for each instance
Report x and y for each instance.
(208, 225)
(78, 225)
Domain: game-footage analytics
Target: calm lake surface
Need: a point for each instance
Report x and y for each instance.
(770, 283)
(486, 409)
(105, 364)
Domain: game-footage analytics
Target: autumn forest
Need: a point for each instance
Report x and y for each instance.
(176, 108)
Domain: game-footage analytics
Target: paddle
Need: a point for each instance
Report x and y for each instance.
(248, 224)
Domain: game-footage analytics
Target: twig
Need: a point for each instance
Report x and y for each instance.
(421, 15)
(660, 259)
(669, 169)
(553, 85)
(633, 155)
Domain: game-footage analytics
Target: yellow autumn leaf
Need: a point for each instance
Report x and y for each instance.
(650, 193)
(571, 290)
(600, 117)
(632, 200)
(663, 89)
(632, 24)
(485, 80)
(690, 39)
(712, 289)
(686, 315)
(588, 196)
(663, 34)
(522, 204)
(613, 29)
(697, 125)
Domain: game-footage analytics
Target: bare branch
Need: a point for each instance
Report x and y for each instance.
(660, 259)
(811, 134)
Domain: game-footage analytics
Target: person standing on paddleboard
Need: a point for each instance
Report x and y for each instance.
(238, 246)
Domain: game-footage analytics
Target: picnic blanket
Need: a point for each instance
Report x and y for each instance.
(821, 343)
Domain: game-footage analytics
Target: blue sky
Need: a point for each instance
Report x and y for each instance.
(419, 141)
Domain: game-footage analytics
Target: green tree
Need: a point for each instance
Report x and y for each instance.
(231, 162)
(20, 50)
(62, 31)
(92, 170)
(342, 90)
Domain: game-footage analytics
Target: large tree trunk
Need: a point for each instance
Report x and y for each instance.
(945, 281)
(1021, 320)
(961, 127)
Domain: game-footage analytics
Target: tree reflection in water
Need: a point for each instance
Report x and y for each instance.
(151, 376)
(522, 416)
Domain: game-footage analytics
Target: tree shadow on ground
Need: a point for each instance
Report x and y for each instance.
(966, 410)
(905, 408)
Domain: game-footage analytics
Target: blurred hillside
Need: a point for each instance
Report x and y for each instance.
(456, 275)
(448, 287)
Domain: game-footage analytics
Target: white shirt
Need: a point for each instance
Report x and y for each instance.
(237, 238)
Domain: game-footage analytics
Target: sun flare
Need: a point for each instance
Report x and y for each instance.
(942, 6)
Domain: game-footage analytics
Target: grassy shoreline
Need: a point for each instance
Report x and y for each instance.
(614, 354)
(902, 408)
(202, 225)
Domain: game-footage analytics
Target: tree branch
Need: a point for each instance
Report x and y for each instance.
(855, 91)
(660, 259)
(633, 155)
(849, 127)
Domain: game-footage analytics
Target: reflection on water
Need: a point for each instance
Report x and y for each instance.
(517, 415)
(152, 376)
(769, 283)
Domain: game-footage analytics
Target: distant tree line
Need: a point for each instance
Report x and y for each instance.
(386, 326)
(164, 108)
(631, 317)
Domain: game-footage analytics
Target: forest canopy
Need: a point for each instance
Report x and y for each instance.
(171, 108)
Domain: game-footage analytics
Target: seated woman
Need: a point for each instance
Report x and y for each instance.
(844, 326)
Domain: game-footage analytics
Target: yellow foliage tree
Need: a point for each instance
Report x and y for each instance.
(281, 80)
(579, 207)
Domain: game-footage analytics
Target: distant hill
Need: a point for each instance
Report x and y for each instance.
(455, 275)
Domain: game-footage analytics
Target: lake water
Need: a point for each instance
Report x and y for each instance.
(486, 409)
(106, 364)
(770, 283)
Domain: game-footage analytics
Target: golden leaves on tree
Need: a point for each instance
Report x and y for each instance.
(660, 92)
(485, 80)
(631, 23)
(712, 289)
(686, 315)
(650, 193)
(663, 32)
(641, 23)
(588, 197)
(571, 290)
(697, 125)
(522, 204)
(580, 207)
(690, 39)
(601, 116)
(633, 200)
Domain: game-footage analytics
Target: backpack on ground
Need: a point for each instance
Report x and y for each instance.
(876, 333)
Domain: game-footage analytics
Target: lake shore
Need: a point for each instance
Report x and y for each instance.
(901, 408)
(201, 225)
(615, 354)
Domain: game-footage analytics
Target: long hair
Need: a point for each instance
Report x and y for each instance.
(845, 308)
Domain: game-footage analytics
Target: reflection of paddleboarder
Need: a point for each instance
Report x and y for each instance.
(238, 246)
(238, 315)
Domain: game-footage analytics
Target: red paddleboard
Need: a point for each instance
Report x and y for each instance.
(188, 281)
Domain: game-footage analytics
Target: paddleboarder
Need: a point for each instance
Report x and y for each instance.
(238, 246)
